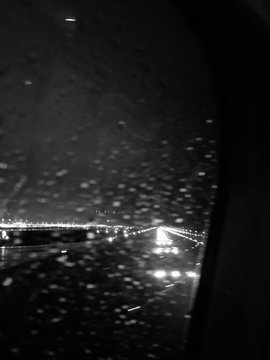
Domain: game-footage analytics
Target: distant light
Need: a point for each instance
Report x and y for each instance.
(63, 251)
(3, 166)
(175, 273)
(170, 285)
(28, 82)
(160, 274)
(110, 239)
(70, 19)
(90, 235)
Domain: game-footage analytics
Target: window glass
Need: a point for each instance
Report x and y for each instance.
(107, 177)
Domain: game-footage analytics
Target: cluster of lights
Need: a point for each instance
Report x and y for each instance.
(127, 234)
(186, 234)
(20, 225)
(161, 274)
(162, 238)
(192, 274)
(166, 250)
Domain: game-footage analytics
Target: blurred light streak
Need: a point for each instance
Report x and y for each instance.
(135, 308)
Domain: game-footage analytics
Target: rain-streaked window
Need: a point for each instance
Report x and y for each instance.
(108, 174)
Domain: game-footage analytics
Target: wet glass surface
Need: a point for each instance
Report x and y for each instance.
(99, 293)
(108, 119)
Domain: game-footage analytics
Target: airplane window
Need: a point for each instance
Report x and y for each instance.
(108, 175)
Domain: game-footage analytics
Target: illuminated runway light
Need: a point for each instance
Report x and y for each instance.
(175, 250)
(158, 250)
(179, 233)
(175, 274)
(191, 274)
(166, 250)
(162, 238)
(160, 274)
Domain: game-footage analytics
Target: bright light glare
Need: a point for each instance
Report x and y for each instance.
(158, 250)
(162, 238)
(160, 274)
(175, 274)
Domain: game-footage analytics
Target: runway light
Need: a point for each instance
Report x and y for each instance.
(175, 274)
(175, 250)
(162, 238)
(191, 274)
(158, 250)
(160, 274)
(166, 250)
